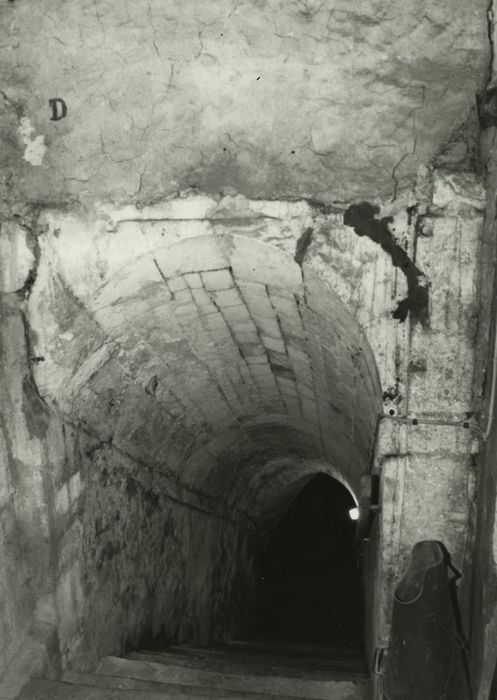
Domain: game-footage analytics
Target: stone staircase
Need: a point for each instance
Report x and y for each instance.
(234, 671)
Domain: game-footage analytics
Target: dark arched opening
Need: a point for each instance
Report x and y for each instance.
(308, 584)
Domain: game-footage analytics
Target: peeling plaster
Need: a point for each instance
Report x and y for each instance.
(35, 145)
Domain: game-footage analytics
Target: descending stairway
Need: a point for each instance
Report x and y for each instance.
(239, 670)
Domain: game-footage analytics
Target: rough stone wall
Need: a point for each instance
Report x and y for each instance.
(103, 550)
(134, 562)
(109, 290)
(25, 453)
(427, 457)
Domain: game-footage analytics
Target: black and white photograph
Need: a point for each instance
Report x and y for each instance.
(248, 350)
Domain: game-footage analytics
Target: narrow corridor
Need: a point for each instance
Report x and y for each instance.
(309, 588)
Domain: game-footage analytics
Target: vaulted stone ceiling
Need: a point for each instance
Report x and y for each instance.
(324, 99)
(212, 359)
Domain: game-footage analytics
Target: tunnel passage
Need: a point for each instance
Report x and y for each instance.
(225, 379)
(308, 579)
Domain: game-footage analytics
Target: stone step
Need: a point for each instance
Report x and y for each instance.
(105, 681)
(319, 658)
(278, 684)
(257, 664)
(41, 689)
(289, 649)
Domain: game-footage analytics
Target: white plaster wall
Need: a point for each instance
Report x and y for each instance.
(332, 101)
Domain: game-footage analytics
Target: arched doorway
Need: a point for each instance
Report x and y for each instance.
(308, 585)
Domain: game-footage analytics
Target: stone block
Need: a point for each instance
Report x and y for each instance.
(203, 300)
(252, 289)
(215, 322)
(259, 306)
(262, 370)
(450, 440)
(283, 292)
(303, 344)
(447, 384)
(176, 284)
(244, 327)
(182, 297)
(193, 280)
(70, 545)
(287, 386)
(292, 405)
(65, 609)
(456, 191)
(186, 311)
(450, 259)
(273, 403)
(268, 327)
(256, 262)
(285, 307)
(305, 390)
(297, 355)
(192, 255)
(293, 330)
(236, 313)
(246, 337)
(215, 280)
(275, 344)
(136, 283)
(309, 410)
(305, 381)
(301, 368)
(392, 439)
(279, 358)
(227, 297)
(254, 355)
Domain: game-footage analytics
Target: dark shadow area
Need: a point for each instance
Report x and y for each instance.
(309, 584)
(426, 630)
(493, 689)
(363, 219)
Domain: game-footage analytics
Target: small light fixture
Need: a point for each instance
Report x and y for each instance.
(354, 513)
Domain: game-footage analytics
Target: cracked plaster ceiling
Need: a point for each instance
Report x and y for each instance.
(325, 99)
